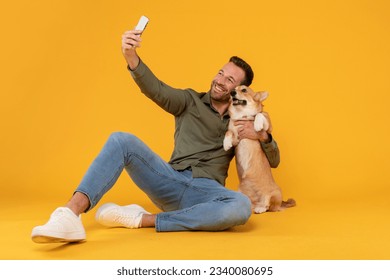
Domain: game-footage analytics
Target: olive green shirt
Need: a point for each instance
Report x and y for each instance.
(199, 128)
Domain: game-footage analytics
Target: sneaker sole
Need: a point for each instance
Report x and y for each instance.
(50, 239)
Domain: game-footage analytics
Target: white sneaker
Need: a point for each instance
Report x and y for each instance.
(113, 215)
(63, 226)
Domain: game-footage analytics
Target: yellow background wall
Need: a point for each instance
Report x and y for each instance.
(64, 87)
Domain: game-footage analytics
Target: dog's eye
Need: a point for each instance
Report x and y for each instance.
(243, 90)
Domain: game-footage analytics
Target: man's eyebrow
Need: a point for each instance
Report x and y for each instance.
(230, 77)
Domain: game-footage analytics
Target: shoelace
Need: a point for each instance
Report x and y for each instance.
(127, 220)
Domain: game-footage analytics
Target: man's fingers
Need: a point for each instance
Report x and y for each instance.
(243, 123)
(132, 32)
(131, 35)
(130, 42)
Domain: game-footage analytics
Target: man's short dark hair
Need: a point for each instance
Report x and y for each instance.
(244, 66)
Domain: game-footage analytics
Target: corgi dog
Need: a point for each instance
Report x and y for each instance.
(253, 168)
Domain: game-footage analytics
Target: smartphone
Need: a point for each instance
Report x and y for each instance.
(143, 21)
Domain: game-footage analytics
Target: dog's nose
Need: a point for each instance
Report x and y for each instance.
(233, 93)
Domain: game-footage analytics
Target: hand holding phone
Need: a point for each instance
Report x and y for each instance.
(131, 40)
(143, 21)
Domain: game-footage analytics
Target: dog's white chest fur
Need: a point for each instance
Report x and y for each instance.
(231, 136)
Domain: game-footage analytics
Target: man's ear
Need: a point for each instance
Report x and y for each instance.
(261, 96)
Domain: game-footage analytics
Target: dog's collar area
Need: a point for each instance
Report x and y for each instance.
(238, 102)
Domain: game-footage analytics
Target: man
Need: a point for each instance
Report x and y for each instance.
(190, 188)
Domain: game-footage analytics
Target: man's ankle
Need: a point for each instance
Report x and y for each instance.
(79, 203)
(148, 220)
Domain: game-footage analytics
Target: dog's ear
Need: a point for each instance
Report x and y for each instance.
(261, 96)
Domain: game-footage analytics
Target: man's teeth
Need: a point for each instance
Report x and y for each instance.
(219, 89)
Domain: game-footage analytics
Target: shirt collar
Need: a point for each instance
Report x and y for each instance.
(206, 99)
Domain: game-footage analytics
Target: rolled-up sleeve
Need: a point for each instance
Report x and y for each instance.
(272, 153)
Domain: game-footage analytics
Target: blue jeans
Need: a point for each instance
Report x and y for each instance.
(188, 203)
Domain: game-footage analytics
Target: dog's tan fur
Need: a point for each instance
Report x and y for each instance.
(253, 168)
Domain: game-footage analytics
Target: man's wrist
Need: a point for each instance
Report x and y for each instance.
(267, 139)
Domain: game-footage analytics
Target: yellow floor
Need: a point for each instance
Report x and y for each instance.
(326, 229)
(65, 88)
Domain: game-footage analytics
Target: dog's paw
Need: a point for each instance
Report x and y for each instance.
(259, 210)
(227, 143)
(261, 122)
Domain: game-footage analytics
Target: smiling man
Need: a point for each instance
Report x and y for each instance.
(189, 189)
